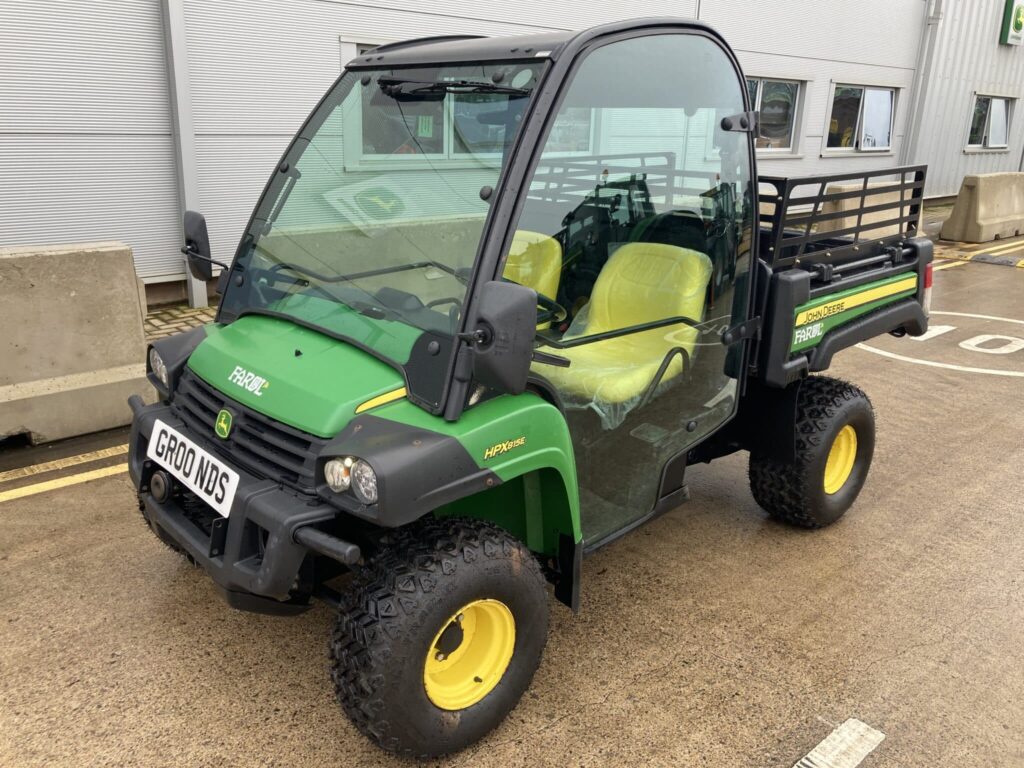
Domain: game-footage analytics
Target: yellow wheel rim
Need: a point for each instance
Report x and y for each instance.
(469, 654)
(841, 456)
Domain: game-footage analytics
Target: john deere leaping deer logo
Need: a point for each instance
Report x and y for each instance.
(379, 203)
(223, 424)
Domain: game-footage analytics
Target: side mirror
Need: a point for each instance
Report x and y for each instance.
(503, 340)
(197, 246)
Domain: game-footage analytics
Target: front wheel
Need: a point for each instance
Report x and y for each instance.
(834, 443)
(439, 636)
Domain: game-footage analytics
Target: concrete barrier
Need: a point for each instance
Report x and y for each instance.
(988, 206)
(852, 204)
(72, 347)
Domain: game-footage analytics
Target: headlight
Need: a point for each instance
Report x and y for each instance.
(156, 365)
(338, 474)
(364, 482)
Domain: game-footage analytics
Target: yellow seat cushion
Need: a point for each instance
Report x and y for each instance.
(535, 260)
(641, 282)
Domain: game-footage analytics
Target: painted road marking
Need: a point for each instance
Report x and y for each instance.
(1005, 344)
(1008, 345)
(1007, 248)
(978, 317)
(61, 482)
(949, 264)
(932, 332)
(935, 364)
(845, 747)
(70, 461)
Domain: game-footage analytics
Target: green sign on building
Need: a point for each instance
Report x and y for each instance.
(1013, 23)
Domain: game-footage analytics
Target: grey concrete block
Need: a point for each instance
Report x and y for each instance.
(988, 206)
(72, 347)
(869, 220)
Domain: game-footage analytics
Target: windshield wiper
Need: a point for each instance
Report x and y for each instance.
(397, 87)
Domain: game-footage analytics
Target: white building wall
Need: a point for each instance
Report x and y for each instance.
(968, 60)
(873, 42)
(85, 129)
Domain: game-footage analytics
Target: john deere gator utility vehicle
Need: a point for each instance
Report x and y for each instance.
(495, 299)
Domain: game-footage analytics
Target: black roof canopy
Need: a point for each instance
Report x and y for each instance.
(454, 49)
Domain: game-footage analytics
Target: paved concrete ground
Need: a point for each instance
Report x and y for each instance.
(711, 637)
(175, 318)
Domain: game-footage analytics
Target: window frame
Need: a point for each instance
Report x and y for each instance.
(794, 133)
(859, 148)
(985, 145)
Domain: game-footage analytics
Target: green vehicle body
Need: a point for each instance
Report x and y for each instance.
(309, 393)
(326, 371)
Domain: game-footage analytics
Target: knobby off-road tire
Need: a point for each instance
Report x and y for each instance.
(798, 492)
(404, 601)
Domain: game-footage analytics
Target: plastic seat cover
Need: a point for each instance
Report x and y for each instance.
(641, 282)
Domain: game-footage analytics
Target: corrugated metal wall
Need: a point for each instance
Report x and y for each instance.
(968, 60)
(85, 129)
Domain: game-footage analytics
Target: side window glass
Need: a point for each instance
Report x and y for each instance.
(637, 223)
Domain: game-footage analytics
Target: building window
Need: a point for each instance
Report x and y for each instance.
(462, 128)
(777, 101)
(861, 118)
(990, 122)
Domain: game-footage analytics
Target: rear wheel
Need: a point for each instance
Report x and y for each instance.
(834, 443)
(439, 636)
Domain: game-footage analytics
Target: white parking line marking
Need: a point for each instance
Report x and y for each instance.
(845, 747)
(1007, 344)
(933, 364)
(978, 317)
(932, 332)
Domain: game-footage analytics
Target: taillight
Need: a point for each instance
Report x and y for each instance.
(927, 303)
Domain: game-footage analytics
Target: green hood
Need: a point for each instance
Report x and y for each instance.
(298, 376)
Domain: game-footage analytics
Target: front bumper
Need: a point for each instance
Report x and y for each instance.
(251, 555)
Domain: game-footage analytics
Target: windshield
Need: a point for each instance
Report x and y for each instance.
(369, 227)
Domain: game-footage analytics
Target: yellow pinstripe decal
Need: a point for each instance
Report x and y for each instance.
(856, 300)
(387, 397)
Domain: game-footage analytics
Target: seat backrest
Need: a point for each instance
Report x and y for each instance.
(535, 260)
(644, 282)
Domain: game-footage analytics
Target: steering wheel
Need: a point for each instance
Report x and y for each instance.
(551, 310)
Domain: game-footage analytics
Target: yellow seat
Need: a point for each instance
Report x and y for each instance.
(535, 260)
(641, 282)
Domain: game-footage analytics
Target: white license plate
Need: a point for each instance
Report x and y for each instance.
(209, 478)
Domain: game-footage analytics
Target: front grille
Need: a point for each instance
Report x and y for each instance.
(259, 444)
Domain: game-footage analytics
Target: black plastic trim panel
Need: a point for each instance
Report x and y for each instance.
(417, 470)
(259, 556)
